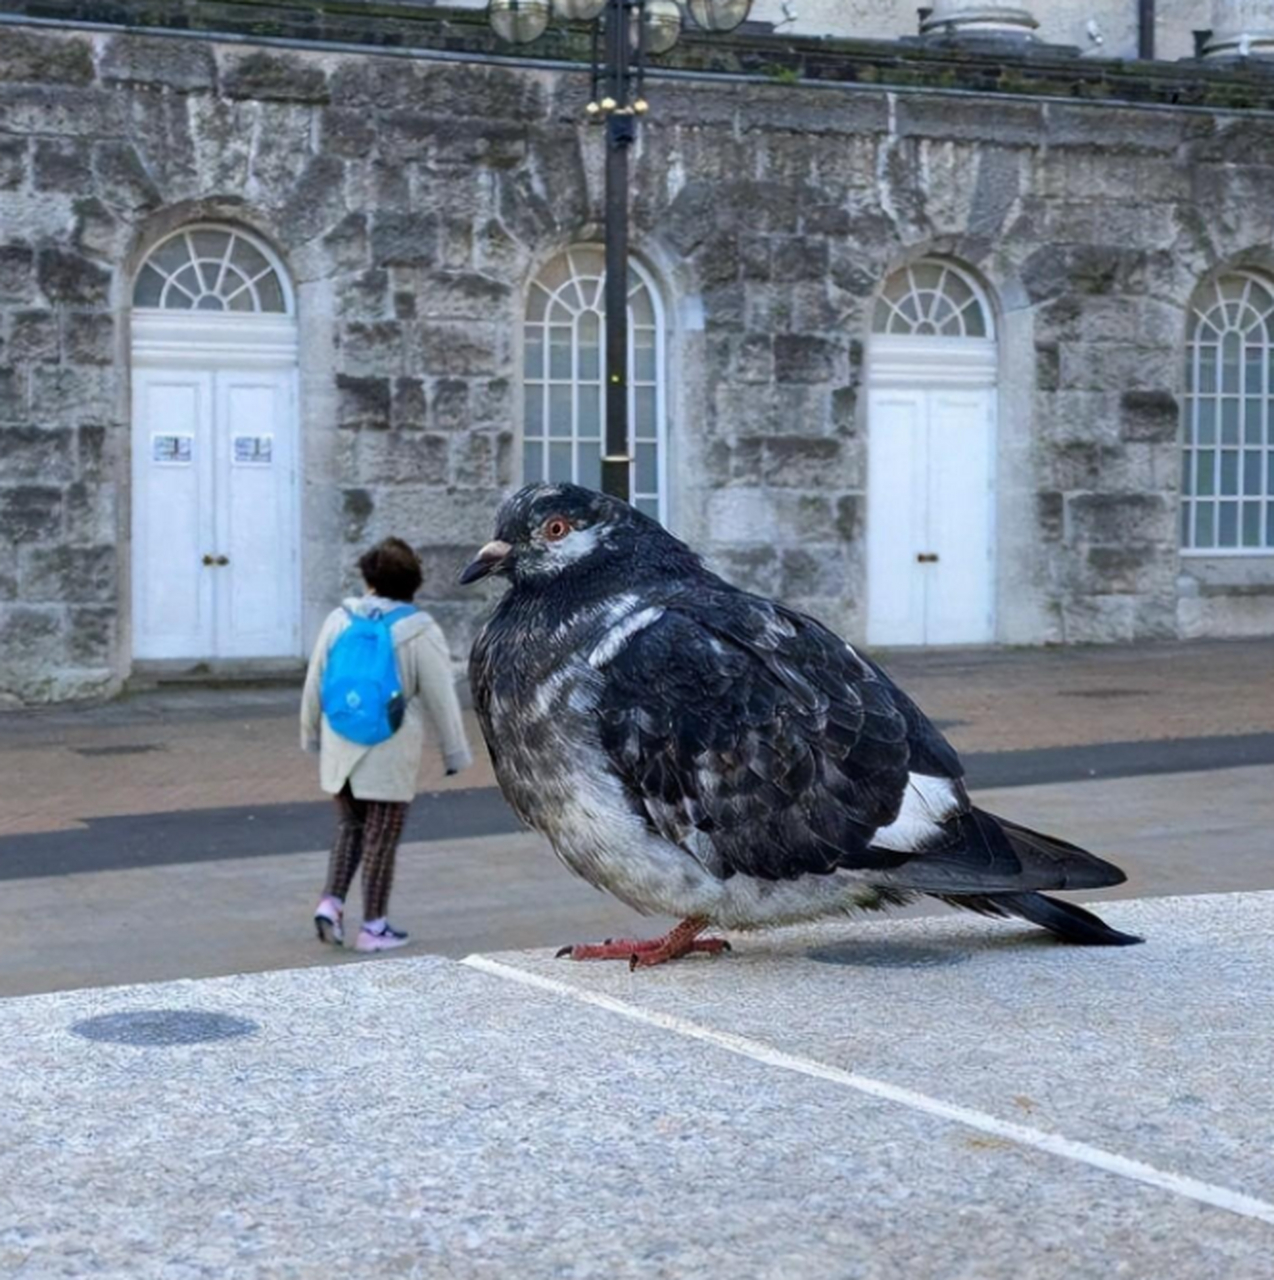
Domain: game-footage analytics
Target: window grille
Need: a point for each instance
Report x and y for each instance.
(1227, 461)
(931, 299)
(564, 369)
(211, 269)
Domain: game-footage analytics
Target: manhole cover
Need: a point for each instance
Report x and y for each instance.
(126, 749)
(162, 1027)
(874, 955)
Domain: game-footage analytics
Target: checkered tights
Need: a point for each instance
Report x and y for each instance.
(367, 832)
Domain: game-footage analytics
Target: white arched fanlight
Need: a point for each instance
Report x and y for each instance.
(564, 364)
(932, 325)
(213, 268)
(932, 298)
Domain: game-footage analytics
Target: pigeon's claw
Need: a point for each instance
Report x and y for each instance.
(659, 954)
(643, 953)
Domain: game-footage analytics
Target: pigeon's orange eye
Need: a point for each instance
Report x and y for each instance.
(556, 528)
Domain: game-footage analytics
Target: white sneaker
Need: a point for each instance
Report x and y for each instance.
(386, 940)
(329, 922)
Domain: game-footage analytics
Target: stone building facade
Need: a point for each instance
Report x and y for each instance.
(807, 219)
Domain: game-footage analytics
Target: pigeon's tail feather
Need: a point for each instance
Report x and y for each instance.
(1065, 919)
(983, 854)
(1050, 863)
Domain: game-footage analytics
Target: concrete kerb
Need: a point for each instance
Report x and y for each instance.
(766, 1112)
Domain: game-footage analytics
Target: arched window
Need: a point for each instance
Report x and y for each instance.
(931, 299)
(564, 365)
(1227, 474)
(210, 268)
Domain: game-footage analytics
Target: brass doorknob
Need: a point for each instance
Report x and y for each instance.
(209, 560)
(927, 557)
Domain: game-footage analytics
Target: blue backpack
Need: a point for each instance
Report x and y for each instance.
(362, 695)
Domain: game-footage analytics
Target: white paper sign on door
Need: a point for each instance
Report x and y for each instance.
(172, 451)
(253, 451)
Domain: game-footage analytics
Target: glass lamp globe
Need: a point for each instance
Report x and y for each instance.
(663, 25)
(719, 15)
(519, 21)
(578, 10)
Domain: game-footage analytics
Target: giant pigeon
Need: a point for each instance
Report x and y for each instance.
(710, 754)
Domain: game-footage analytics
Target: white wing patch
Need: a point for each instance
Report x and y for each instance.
(927, 803)
(612, 610)
(613, 642)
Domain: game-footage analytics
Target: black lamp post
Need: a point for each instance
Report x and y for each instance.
(625, 32)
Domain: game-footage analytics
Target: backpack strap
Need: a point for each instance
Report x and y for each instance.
(394, 615)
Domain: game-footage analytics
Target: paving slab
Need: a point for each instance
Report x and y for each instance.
(1160, 1049)
(948, 1101)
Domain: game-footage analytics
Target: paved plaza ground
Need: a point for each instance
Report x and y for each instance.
(180, 833)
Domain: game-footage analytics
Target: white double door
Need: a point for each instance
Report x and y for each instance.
(215, 545)
(930, 515)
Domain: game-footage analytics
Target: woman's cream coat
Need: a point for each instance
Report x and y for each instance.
(389, 770)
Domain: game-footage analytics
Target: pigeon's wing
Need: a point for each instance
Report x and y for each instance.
(930, 753)
(762, 744)
(946, 841)
(755, 739)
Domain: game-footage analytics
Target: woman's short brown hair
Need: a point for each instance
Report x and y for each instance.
(392, 569)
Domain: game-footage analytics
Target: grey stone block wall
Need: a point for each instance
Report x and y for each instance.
(412, 200)
(62, 433)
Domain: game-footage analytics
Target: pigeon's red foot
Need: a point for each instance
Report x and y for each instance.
(644, 953)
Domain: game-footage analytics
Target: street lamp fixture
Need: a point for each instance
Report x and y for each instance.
(625, 32)
(718, 15)
(519, 21)
(662, 25)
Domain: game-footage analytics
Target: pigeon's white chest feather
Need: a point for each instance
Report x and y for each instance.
(595, 831)
(552, 768)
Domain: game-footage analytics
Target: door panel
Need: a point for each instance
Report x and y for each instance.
(929, 516)
(214, 475)
(958, 584)
(256, 590)
(172, 513)
(896, 513)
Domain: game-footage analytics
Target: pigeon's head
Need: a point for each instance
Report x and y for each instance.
(547, 532)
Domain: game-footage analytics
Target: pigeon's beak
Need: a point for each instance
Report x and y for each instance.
(488, 560)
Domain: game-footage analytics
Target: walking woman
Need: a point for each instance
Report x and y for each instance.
(374, 784)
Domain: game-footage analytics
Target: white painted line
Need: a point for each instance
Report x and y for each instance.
(1052, 1143)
